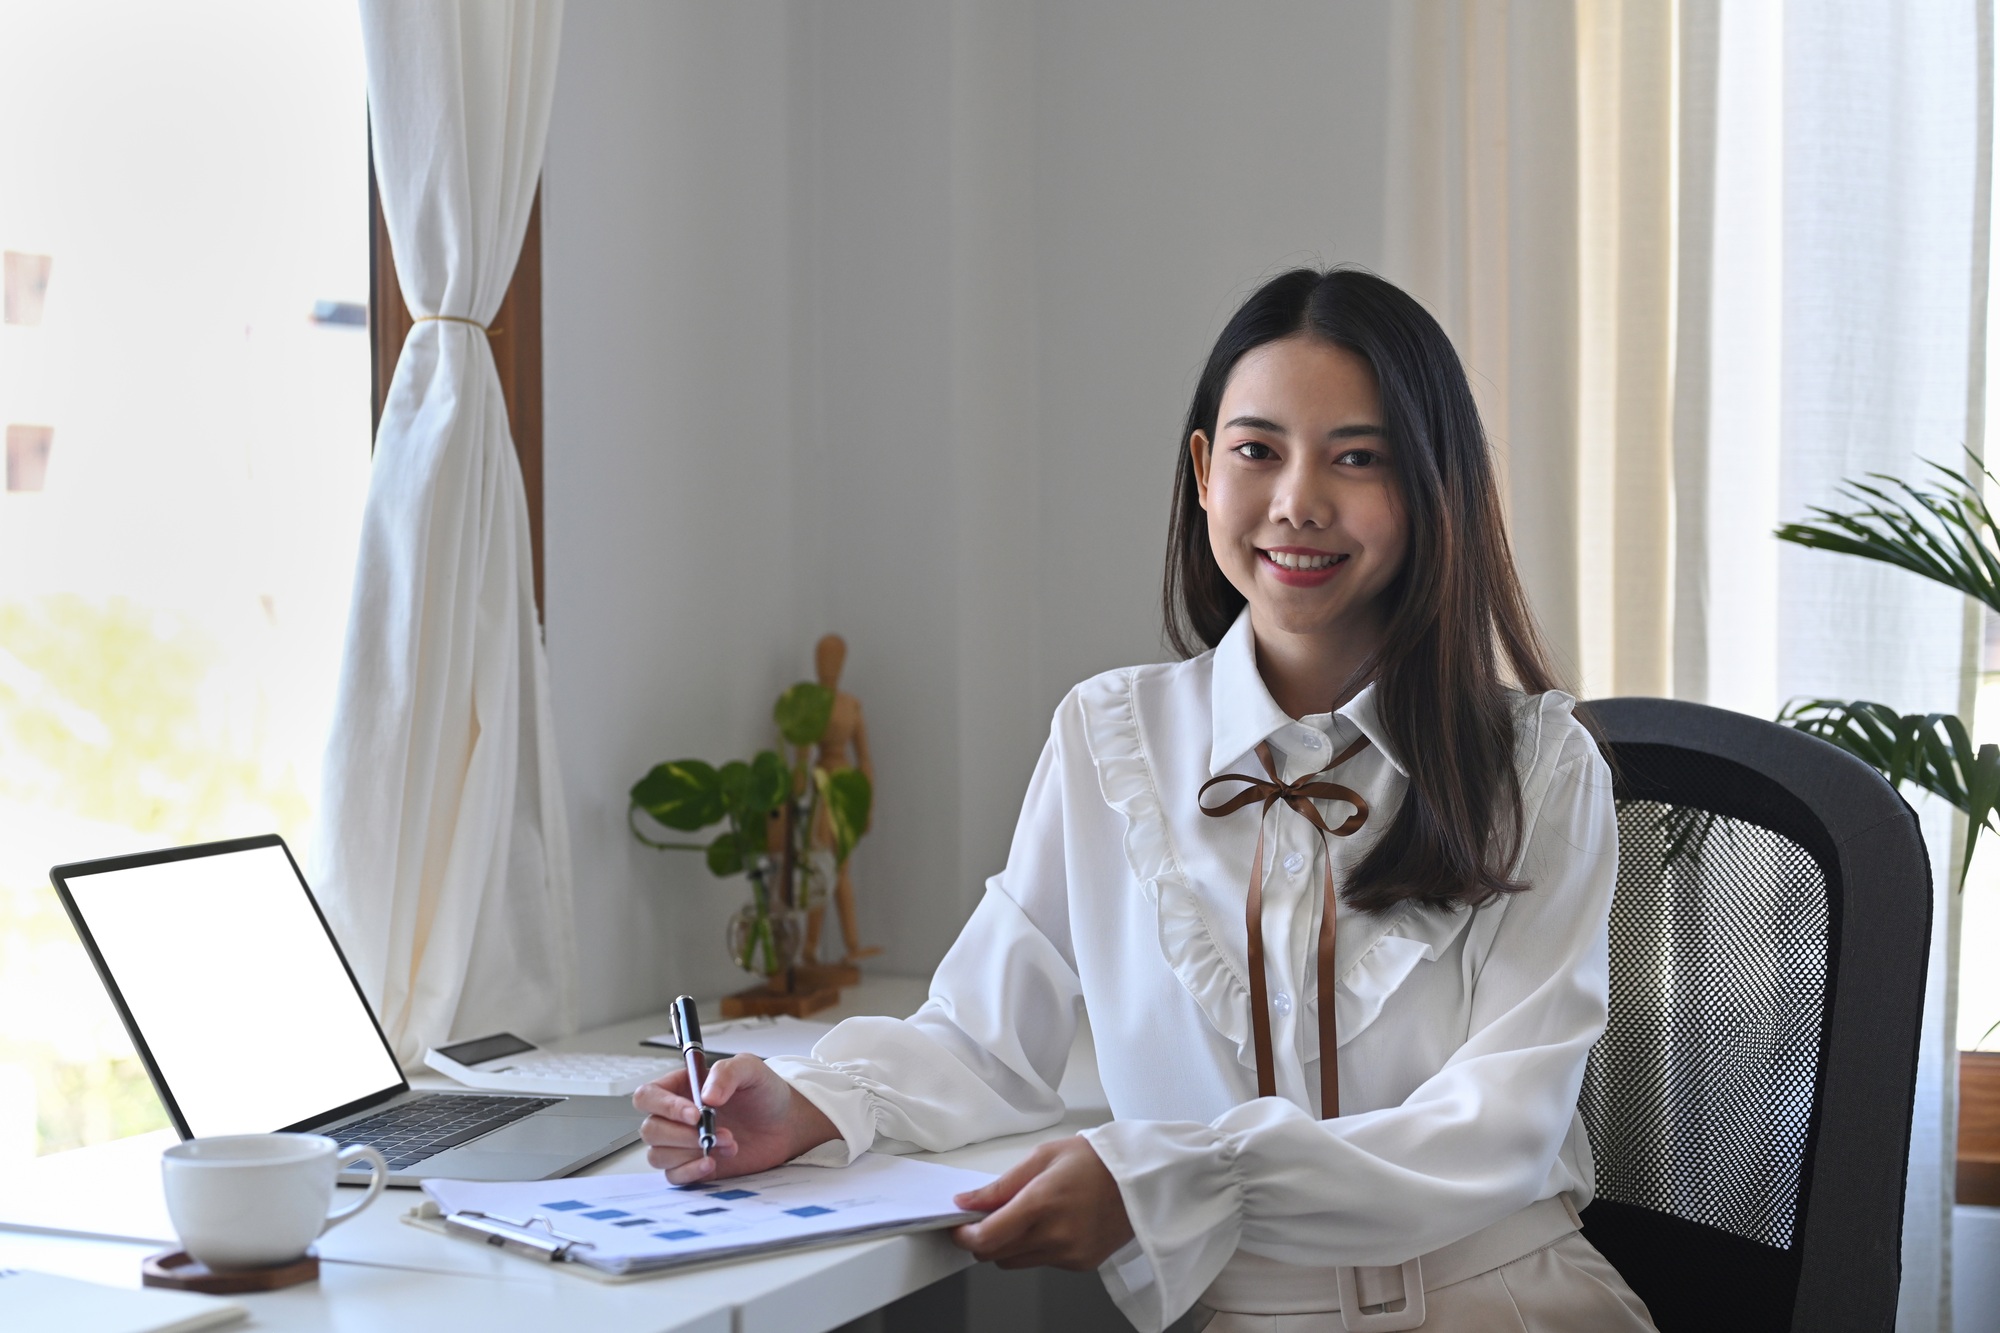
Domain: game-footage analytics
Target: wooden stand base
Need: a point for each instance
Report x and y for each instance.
(818, 976)
(799, 1001)
(180, 1271)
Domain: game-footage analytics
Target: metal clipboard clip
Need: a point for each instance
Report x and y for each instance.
(536, 1238)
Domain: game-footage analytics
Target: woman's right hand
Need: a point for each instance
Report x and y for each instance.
(761, 1121)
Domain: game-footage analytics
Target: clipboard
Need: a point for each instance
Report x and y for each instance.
(616, 1228)
(528, 1242)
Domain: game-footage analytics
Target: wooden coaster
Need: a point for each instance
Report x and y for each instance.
(761, 1000)
(180, 1271)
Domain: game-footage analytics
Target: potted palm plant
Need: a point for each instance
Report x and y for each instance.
(1945, 533)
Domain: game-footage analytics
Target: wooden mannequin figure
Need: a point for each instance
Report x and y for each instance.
(843, 746)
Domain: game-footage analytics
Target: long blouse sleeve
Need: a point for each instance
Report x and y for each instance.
(984, 1055)
(1473, 1143)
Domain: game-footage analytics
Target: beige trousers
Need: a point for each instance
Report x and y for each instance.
(1566, 1287)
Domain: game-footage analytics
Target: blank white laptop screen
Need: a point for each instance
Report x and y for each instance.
(251, 1018)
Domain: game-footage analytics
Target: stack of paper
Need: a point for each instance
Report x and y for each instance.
(45, 1301)
(640, 1223)
(781, 1035)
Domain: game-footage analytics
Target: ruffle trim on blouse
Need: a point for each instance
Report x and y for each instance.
(1125, 777)
(1400, 938)
(1409, 935)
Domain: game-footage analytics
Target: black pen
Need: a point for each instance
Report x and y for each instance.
(687, 1027)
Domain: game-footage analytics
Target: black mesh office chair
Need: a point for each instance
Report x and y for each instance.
(1749, 1104)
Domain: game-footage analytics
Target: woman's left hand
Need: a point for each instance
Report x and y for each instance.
(1060, 1208)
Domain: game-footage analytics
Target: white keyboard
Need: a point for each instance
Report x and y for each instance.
(582, 1074)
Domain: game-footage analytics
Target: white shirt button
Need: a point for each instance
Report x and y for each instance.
(1281, 1003)
(1312, 740)
(1295, 863)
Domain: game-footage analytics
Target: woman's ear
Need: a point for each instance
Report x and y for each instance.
(1198, 451)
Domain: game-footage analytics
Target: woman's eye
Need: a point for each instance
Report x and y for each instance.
(1359, 458)
(1254, 450)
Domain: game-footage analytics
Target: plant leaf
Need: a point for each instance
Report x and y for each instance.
(803, 711)
(768, 780)
(724, 856)
(733, 778)
(849, 797)
(1943, 531)
(682, 795)
(1930, 751)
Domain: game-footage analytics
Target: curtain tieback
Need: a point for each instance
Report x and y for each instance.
(1300, 796)
(457, 319)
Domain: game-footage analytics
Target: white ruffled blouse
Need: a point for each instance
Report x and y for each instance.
(1463, 1034)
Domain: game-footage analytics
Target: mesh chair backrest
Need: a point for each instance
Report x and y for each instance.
(1700, 1098)
(1749, 1103)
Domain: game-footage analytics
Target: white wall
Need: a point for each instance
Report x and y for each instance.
(880, 318)
(668, 474)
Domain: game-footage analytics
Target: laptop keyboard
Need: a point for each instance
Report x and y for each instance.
(428, 1123)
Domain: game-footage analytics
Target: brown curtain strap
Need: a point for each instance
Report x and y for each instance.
(1299, 796)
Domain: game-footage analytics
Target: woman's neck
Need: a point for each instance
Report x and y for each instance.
(1312, 673)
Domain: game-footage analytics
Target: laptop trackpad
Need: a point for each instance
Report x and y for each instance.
(472, 1164)
(568, 1135)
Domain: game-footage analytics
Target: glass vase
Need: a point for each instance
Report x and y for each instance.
(765, 939)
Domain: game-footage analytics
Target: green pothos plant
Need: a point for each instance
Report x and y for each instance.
(768, 808)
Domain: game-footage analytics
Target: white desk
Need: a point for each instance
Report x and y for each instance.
(378, 1272)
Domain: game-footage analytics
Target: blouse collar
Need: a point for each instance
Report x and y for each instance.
(1242, 712)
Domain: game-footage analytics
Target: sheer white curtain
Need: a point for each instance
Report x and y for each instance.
(1705, 260)
(444, 849)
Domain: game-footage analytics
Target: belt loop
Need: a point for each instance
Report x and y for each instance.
(1384, 1321)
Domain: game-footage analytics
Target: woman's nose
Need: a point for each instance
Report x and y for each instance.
(1300, 501)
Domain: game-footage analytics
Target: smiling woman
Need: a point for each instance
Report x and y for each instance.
(1343, 425)
(1301, 513)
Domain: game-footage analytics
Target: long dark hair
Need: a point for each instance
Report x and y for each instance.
(1455, 610)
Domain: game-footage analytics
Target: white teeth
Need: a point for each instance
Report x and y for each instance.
(1287, 560)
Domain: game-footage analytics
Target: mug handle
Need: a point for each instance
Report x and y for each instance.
(378, 1176)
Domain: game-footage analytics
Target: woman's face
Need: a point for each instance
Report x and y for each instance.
(1305, 514)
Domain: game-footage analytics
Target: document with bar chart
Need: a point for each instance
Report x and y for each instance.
(639, 1223)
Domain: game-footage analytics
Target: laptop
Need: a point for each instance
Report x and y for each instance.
(249, 1021)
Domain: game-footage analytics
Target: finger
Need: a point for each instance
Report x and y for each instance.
(658, 1132)
(687, 1164)
(668, 1157)
(999, 1234)
(995, 1194)
(662, 1099)
(725, 1077)
(693, 1169)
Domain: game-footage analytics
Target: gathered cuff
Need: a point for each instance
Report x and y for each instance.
(841, 1097)
(1183, 1194)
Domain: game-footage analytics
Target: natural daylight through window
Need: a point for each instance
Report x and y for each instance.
(184, 382)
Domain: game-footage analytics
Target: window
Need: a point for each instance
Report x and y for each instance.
(184, 381)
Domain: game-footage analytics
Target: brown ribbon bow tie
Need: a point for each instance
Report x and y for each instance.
(1300, 796)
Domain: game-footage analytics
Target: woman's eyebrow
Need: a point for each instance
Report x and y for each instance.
(1255, 423)
(1354, 432)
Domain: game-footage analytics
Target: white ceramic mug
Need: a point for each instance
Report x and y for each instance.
(254, 1200)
